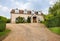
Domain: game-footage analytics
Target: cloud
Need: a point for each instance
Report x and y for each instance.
(12, 0)
(4, 11)
(25, 4)
(4, 8)
(21, 5)
(45, 11)
(32, 0)
(52, 2)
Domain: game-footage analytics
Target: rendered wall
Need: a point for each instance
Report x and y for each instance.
(14, 16)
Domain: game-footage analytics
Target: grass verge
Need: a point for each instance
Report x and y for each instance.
(55, 30)
(4, 32)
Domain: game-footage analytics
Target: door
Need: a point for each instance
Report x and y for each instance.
(34, 19)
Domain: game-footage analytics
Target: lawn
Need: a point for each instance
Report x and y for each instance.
(4, 32)
(55, 30)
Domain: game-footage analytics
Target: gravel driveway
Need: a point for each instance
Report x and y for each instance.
(30, 32)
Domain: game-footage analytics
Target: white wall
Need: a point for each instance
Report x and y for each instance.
(14, 16)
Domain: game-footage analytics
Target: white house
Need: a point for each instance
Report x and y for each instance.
(36, 16)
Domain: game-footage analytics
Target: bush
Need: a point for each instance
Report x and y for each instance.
(8, 20)
(19, 20)
(3, 18)
(2, 26)
(29, 20)
(53, 18)
(4, 33)
(53, 22)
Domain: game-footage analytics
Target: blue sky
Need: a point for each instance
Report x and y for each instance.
(7, 5)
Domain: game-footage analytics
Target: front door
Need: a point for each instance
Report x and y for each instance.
(34, 19)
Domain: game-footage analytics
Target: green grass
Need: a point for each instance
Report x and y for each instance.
(55, 30)
(4, 32)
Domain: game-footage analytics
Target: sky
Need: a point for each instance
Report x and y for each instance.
(39, 5)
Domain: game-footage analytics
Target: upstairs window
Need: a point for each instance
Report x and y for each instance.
(16, 11)
(25, 11)
(33, 12)
(39, 12)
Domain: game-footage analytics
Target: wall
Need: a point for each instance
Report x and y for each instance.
(14, 16)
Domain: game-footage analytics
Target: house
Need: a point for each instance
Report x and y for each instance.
(36, 16)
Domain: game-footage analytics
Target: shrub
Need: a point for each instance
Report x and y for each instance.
(53, 22)
(3, 18)
(8, 20)
(2, 25)
(29, 20)
(53, 18)
(19, 20)
(4, 33)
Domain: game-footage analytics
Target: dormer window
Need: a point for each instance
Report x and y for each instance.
(28, 12)
(25, 11)
(36, 13)
(21, 11)
(12, 11)
(16, 11)
(33, 12)
(39, 12)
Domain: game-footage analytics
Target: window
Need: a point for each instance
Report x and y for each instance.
(25, 11)
(16, 11)
(33, 12)
(39, 12)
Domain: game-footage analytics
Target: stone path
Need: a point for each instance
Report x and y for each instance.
(30, 32)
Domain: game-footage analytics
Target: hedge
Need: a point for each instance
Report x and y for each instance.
(2, 26)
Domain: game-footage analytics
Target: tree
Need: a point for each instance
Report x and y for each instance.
(2, 26)
(8, 20)
(3, 21)
(55, 9)
(3, 18)
(53, 18)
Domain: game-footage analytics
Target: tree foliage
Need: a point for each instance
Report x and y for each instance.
(2, 26)
(8, 20)
(19, 20)
(53, 18)
(3, 18)
(55, 9)
(29, 19)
